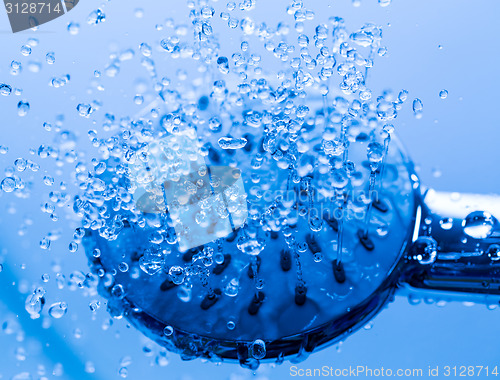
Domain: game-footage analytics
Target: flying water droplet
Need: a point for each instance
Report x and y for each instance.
(84, 109)
(177, 274)
(443, 94)
(50, 58)
(138, 99)
(315, 223)
(478, 224)
(58, 310)
(45, 243)
(375, 152)
(73, 246)
(5, 89)
(8, 184)
(96, 17)
(26, 50)
(403, 95)
(151, 261)
(35, 302)
(73, 28)
(418, 108)
(232, 143)
(223, 65)
(145, 49)
(23, 108)
(94, 306)
(118, 291)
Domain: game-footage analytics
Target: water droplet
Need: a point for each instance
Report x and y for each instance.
(223, 65)
(45, 243)
(494, 252)
(232, 143)
(123, 372)
(232, 288)
(5, 89)
(35, 302)
(50, 58)
(215, 124)
(73, 28)
(384, 3)
(302, 111)
(443, 94)
(382, 230)
(26, 50)
(375, 152)
(424, 250)
(258, 349)
(478, 224)
(403, 95)
(207, 11)
(138, 99)
(168, 330)
(73, 246)
(446, 223)
(118, 291)
(123, 267)
(96, 17)
(58, 310)
(315, 223)
(177, 274)
(233, 23)
(8, 184)
(382, 51)
(94, 306)
(145, 49)
(418, 108)
(151, 261)
(84, 109)
(23, 108)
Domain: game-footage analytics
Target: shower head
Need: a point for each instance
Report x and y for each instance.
(250, 247)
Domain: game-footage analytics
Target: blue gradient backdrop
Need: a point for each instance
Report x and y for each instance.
(458, 135)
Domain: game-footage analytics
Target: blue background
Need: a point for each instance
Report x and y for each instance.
(457, 136)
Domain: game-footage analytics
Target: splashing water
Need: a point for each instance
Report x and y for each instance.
(237, 177)
(243, 203)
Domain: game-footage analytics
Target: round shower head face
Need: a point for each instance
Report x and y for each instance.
(275, 239)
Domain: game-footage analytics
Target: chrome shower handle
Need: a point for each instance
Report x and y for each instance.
(455, 253)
